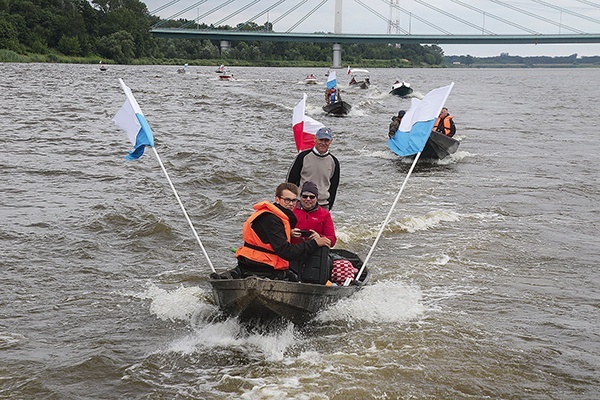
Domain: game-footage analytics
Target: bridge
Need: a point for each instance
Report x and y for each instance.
(500, 22)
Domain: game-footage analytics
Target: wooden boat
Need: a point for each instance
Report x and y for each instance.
(261, 299)
(339, 108)
(401, 89)
(439, 146)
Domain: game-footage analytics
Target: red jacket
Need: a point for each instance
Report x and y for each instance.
(317, 219)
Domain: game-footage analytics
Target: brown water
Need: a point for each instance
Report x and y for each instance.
(484, 284)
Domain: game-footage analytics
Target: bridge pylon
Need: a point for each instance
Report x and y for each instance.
(337, 29)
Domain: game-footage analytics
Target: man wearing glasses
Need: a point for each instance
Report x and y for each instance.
(267, 249)
(313, 220)
(318, 165)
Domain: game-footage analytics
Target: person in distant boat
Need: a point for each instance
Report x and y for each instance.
(313, 220)
(395, 124)
(318, 165)
(267, 234)
(331, 95)
(353, 81)
(445, 123)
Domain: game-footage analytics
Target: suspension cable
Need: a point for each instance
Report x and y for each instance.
(285, 14)
(306, 16)
(207, 13)
(415, 16)
(535, 16)
(164, 21)
(233, 14)
(567, 11)
(163, 7)
(487, 14)
(380, 16)
(265, 11)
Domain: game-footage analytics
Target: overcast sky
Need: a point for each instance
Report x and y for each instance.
(525, 16)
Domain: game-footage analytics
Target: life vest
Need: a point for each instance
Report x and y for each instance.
(255, 249)
(447, 126)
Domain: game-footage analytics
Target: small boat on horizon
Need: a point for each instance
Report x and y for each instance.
(310, 80)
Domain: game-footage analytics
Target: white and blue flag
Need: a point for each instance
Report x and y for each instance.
(331, 80)
(417, 123)
(131, 119)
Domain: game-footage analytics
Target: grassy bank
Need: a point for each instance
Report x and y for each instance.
(11, 56)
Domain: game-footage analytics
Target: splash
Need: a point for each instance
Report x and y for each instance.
(386, 301)
(182, 304)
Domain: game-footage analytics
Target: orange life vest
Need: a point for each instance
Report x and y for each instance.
(447, 125)
(260, 251)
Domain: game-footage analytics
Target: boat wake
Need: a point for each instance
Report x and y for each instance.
(379, 302)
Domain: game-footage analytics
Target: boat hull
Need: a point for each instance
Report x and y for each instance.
(439, 146)
(339, 108)
(256, 298)
(401, 91)
(259, 299)
(360, 84)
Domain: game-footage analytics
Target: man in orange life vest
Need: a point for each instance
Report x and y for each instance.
(445, 123)
(267, 235)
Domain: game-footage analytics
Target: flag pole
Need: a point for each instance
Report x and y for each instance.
(387, 218)
(183, 209)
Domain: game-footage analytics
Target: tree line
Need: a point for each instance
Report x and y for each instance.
(119, 31)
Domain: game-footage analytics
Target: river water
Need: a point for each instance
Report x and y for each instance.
(484, 283)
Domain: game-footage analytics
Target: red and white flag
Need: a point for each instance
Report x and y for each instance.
(304, 127)
(349, 70)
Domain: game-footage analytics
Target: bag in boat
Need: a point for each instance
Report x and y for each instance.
(341, 270)
(345, 264)
(314, 269)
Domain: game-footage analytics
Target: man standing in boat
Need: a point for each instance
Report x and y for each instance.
(318, 165)
(445, 123)
(267, 234)
(395, 124)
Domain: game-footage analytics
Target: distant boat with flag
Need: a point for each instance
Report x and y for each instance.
(182, 70)
(414, 135)
(359, 77)
(334, 105)
(103, 67)
(225, 74)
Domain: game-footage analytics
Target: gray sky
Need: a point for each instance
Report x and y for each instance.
(541, 16)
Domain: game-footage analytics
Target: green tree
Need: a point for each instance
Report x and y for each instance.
(69, 45)
(119, 46)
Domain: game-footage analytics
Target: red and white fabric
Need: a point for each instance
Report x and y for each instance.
(341, 270)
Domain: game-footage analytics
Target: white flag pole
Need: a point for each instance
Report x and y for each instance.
(184, 212)
(387, 219)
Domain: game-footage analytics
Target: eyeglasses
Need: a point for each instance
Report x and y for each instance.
(288, 201)
(308, 196)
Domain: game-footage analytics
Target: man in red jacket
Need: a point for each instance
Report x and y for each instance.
(313, 220)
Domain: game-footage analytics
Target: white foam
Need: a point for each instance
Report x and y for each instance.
(384, 301)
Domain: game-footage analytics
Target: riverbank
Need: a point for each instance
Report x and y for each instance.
(11, 56)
